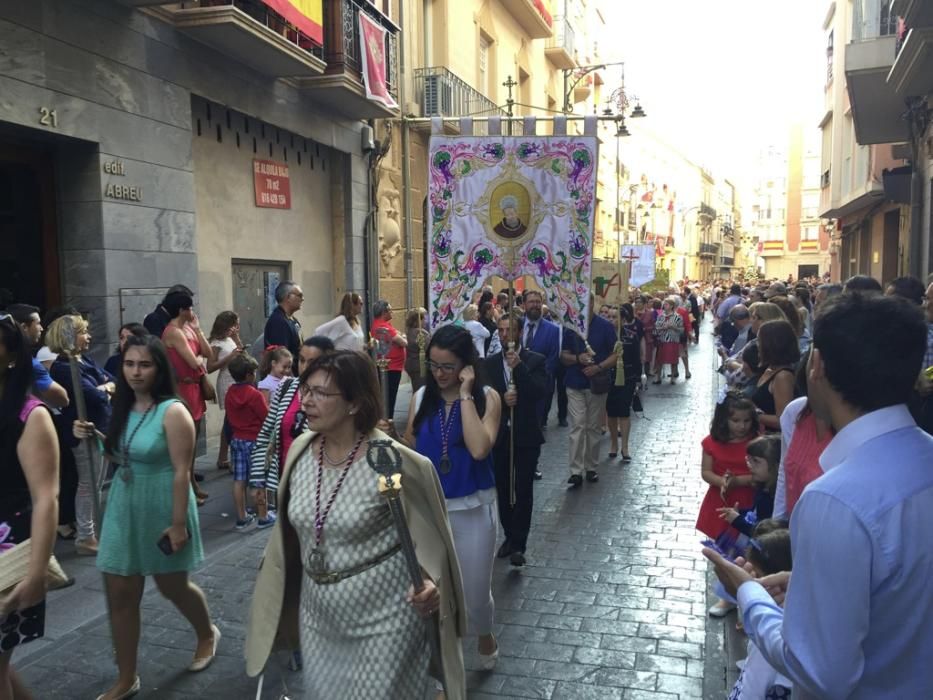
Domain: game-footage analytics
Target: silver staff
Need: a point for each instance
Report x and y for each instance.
(384, 458)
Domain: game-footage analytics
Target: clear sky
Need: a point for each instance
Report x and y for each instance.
(720, 79)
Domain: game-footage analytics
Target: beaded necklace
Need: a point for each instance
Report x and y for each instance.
(445, 465)
(317, 559)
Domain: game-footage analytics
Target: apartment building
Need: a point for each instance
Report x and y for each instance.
(876, 182)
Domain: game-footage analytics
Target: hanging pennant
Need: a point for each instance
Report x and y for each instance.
(373, 54)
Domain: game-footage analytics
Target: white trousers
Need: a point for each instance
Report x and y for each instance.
(474, 532)
(586, 415)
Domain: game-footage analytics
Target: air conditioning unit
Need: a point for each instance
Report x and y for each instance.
(438, 96)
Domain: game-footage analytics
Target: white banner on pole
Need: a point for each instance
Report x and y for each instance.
(642, 260)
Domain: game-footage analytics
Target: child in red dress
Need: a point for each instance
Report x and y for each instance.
(734, 425)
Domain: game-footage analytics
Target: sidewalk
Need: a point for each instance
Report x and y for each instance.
(612, 603)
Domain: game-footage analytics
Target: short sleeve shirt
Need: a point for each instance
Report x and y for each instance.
(602, 338)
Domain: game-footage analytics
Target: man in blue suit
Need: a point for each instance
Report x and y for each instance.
(541, 336)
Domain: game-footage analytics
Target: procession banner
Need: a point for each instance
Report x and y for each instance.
(642, 259)
(306, 15)
(373, 55)
(512, 207)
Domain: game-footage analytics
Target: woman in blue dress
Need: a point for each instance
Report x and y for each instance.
(151, 523)
(453, 420)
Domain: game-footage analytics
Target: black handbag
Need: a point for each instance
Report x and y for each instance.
(601, 382)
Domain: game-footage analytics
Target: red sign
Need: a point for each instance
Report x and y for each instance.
(272, 185)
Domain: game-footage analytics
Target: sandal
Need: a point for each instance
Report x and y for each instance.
(66, 532)
(613, 455)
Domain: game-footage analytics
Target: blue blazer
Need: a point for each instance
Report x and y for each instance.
(546, 342)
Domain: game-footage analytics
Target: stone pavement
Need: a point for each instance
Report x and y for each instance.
(612, 603)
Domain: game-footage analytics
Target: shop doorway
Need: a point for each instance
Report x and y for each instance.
(804, 271)
(29, 266)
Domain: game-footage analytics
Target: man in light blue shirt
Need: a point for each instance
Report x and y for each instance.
(858, 617)
(735, 297)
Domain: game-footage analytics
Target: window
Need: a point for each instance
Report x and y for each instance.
(483, 76)
(810, 233)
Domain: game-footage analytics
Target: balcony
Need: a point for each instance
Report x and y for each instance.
(876, 108)
(341, 85)
(707, 211)
(533, 16)
(443, 94)
(560, 49)
(248, 32)
(708, 250)
(912, 72)
(772, 248)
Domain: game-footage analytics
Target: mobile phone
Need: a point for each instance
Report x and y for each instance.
(165, 544)
(711, 544)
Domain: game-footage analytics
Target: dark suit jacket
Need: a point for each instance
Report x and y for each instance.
(546, 342)
(280, 330)
(531, 382)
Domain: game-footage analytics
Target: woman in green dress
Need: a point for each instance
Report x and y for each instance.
(151, 523)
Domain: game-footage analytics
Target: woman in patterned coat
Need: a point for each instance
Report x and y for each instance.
(333, 577)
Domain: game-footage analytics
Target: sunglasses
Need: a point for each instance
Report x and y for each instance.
(298, 427)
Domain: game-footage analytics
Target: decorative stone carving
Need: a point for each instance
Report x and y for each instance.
(390, 234)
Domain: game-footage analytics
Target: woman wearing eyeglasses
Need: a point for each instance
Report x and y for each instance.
(334, 576)
(454, 421)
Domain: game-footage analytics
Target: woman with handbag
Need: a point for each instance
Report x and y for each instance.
(28, 502)
(333, 574)
(188, 350)
(151, 524)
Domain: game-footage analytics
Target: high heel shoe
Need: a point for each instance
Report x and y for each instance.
(202, 663)
(134, 689)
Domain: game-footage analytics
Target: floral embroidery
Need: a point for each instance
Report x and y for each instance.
(5, 531)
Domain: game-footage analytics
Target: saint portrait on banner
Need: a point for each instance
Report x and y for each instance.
(510, 217)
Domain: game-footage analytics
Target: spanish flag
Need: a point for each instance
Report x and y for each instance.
(306, 15)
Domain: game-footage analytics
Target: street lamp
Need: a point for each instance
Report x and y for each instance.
(616, 105)
(578, 74)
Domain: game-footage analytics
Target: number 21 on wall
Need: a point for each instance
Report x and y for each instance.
(48, 117)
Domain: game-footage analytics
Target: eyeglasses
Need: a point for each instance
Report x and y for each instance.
(317, 392)
(445, 367)
(297, 294)
(298, 426)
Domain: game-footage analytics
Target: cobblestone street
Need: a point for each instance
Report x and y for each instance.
(612, 603)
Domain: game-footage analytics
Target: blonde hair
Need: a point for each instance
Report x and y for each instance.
(767, 311)
(59, 337)
(471, 312)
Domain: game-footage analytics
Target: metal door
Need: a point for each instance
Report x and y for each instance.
(254, 283)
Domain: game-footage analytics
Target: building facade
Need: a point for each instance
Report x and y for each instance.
(792, 240)
(212, 144)
(877, 136)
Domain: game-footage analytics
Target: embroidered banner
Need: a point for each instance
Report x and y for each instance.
(306, 15)
(373, 54)
(511, 207)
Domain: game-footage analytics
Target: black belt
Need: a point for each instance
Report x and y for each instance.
(337, 576)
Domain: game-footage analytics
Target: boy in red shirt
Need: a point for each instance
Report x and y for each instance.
(246, 409)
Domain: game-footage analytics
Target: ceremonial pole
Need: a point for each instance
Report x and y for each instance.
(384, 458)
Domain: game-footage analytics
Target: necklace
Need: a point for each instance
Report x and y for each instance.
(342, 460)
(127, 472)
(445, 465)
(317, 559)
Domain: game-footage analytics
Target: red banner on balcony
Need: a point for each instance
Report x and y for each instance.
(375, 61)
(272, 184)
(306, 15)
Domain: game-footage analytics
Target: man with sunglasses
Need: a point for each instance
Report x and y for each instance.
(282, 328)
(43, 386)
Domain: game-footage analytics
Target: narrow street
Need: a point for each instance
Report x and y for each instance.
(612, 603)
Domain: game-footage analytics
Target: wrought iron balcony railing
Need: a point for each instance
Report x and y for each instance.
(443, 94)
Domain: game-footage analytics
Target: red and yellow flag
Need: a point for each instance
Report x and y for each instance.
(306, 15)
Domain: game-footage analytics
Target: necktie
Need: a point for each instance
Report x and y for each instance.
(531, 335)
